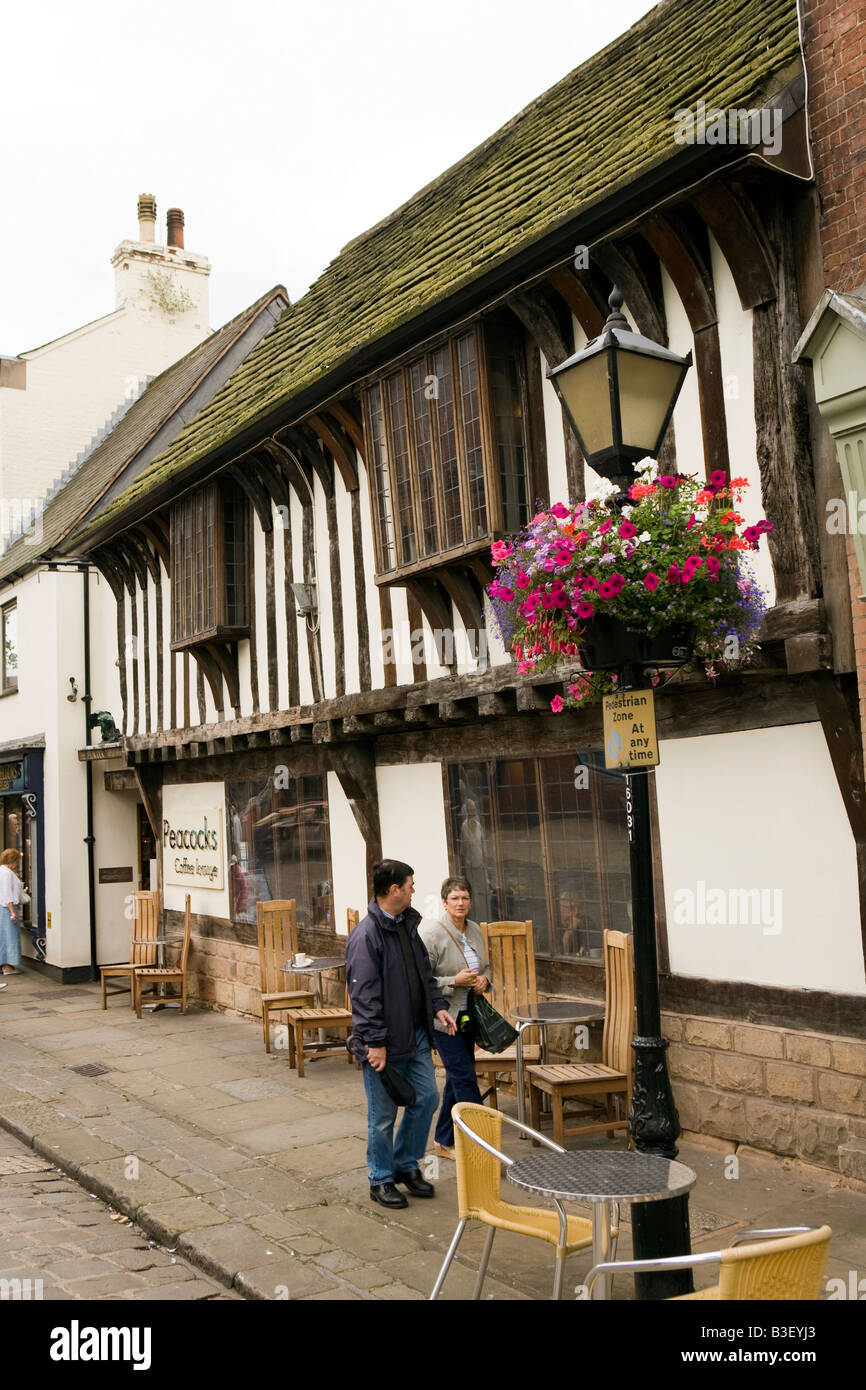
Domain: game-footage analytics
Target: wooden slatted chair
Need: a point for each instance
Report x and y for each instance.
(302, 1020)
(142, 943)
(596, 1084)
(277, 923)
(512, 973)
(162, 975)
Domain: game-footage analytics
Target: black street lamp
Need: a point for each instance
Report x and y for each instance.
(619, 394)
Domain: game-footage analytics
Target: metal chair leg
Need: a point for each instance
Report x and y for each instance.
(561, 1249)
(452, 1250)
(485, 1256)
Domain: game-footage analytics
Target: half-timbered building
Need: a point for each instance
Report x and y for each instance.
(303, 573)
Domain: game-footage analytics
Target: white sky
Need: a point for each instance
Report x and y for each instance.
(282, 129)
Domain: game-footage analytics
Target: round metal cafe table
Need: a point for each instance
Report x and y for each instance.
(598, 1179)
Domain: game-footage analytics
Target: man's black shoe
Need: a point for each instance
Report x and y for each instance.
(413, 1181)
(386, 1194)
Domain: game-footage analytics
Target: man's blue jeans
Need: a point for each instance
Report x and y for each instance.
(385, 1154)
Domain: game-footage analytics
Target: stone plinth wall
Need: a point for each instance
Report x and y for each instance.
(790, 1092)
(226, 974)
(793, 1093)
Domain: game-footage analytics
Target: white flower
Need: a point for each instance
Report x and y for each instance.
(643, 537)
(627, 511)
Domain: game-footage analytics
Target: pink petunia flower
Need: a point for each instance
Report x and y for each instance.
(556, 704)
(559, 510)
(607, 590)
(651, 581)
(604, 527)
(585, 610)
(667, 480)
(589, 584)
(500, 551)
(627, 530)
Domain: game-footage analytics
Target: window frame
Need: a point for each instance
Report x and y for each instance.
(8, 686)
(586, 757)
(219, 630)
(444, 553)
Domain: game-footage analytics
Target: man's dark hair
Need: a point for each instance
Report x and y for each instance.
(455, 881)
(389, 871)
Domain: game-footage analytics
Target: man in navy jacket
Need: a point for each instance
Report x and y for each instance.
(394, 999)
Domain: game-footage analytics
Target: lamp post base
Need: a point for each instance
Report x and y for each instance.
(654, 1122)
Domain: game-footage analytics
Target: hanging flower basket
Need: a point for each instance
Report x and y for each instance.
(660, 582)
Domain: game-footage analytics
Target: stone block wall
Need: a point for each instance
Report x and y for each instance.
(793, 1093)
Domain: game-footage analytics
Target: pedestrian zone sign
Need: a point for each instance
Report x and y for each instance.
(630, 738)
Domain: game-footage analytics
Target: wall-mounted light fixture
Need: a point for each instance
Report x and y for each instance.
(307, 602)
(73, 693)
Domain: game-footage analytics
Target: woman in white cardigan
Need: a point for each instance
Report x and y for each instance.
(458, 959)
(10, 912)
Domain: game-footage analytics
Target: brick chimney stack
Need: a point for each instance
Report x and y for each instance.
(146, 217)
(174, 220)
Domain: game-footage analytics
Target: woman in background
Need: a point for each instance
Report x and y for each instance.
(458, 959)
(10, 900)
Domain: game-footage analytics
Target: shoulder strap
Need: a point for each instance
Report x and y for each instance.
(454, 939)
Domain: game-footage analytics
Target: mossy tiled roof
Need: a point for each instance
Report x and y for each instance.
(607, 123)
(144, 418)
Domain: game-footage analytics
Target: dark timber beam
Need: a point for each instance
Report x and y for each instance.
(741, 240)
(355, 766)
(335, 439)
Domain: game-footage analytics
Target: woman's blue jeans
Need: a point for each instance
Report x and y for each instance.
(458, 1057)
(387, 1155)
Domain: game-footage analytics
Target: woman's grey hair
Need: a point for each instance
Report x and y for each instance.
(456, 881)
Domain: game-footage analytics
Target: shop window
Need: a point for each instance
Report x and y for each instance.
(446, 437)
(544, 838)
(209, 566)
(9, 626)
(280, 846)
(17, 830)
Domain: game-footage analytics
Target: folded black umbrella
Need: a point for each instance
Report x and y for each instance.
(398, 1088)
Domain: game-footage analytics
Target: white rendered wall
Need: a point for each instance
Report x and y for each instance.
(260, 600)
(115, 826)
(687, 412)
(348, 856)
(305, 683)
(412, 817)
(735, 341)
(374, 617)
(323, 576)
(348, 544)
(74, 386)
(557, 477)
(760, 810)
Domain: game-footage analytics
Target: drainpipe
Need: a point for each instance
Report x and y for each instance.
(90, 838)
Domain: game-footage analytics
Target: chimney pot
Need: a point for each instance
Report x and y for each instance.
(174, 219)
(146, 217)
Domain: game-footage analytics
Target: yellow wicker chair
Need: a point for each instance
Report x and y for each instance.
(477, 1135)
(784, 1264)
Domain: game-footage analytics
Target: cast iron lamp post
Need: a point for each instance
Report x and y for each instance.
(619, 394)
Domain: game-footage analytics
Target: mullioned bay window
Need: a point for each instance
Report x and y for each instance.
(448, 442)
(209, 566)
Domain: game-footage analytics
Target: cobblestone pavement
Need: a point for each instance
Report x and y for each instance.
(58, 1242)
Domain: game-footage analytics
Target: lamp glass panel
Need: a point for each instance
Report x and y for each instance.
(646, 387)
(586, 392)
